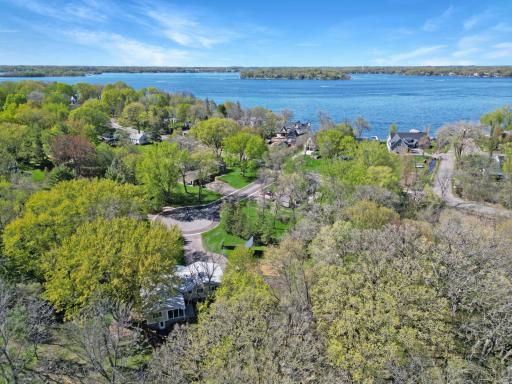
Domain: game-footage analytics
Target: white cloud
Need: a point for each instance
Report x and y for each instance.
(185, 30)
(407, 58)
(437, 22)
(444, 61)
(131, 51)
(86, 10)
(466, 52)
(501, 50)
(477, 19)
(502, 27)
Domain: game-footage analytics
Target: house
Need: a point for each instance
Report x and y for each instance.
(199, 279)
(138, 138)
(190, 284)
(293, 130)
(400, 142)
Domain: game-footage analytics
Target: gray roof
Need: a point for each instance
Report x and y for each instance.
(409, 139)
(174, 302)
(411, 135)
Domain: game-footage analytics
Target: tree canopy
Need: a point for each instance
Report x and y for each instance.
(115, 259)
(52, 216)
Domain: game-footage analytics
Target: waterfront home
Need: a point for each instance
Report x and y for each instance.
(293, 130)
(401, 142)
(188, 285)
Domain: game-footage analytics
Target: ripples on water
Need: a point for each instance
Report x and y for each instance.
(409, 101)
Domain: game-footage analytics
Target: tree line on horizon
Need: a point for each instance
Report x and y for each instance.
(320, 72)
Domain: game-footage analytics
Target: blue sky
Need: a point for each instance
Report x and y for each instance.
(256, 33)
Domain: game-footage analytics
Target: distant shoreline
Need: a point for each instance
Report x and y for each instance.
(261, 73)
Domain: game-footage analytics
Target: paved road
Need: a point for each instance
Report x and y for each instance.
(194, 221)
(443, 188)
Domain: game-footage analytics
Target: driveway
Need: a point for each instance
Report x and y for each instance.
(443, 188)
(196, 220)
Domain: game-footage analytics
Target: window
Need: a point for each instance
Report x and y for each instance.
(200, 291)
(175, 313)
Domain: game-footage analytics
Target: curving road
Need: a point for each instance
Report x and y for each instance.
(443, 188)
(196, 220)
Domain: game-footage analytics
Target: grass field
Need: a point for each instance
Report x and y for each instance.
(191, 198)
(235, 179)
(212, 240)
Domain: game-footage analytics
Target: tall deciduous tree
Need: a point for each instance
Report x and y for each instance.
(206, 164)
(246, 147)
(52, 216)
(111, 258)
(93, 117)
(361, 125)
(159, 171)
(214, 131)
(75, 152)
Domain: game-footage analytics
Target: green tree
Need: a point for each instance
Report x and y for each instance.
(61, 173)
(213, 132)
(246, 147)
(52, 216)
(367, 214)
(115, 259)
(17, 142)
(133, 115)
(87, 91)
(116, 96)
(92, 116)
(497, 121)
(332, 142)
(382, 176)
(206, 164)
(159, 170)
(379, 308)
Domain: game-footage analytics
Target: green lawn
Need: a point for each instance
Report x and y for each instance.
(235, 179)
(191, 198)
(311, 164)
(213, 239)
(305, 162)
(38, 176)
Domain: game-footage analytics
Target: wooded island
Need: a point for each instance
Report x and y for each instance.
(290, 73)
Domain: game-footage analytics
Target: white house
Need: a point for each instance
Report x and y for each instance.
(191, 283)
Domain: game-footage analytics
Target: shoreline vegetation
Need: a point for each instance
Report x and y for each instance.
(267, 73)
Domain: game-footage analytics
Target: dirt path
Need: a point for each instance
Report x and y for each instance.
(443, 188)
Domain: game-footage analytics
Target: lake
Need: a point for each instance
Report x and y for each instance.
(409, 101)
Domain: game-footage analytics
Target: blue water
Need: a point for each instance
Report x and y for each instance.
(409, 101)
